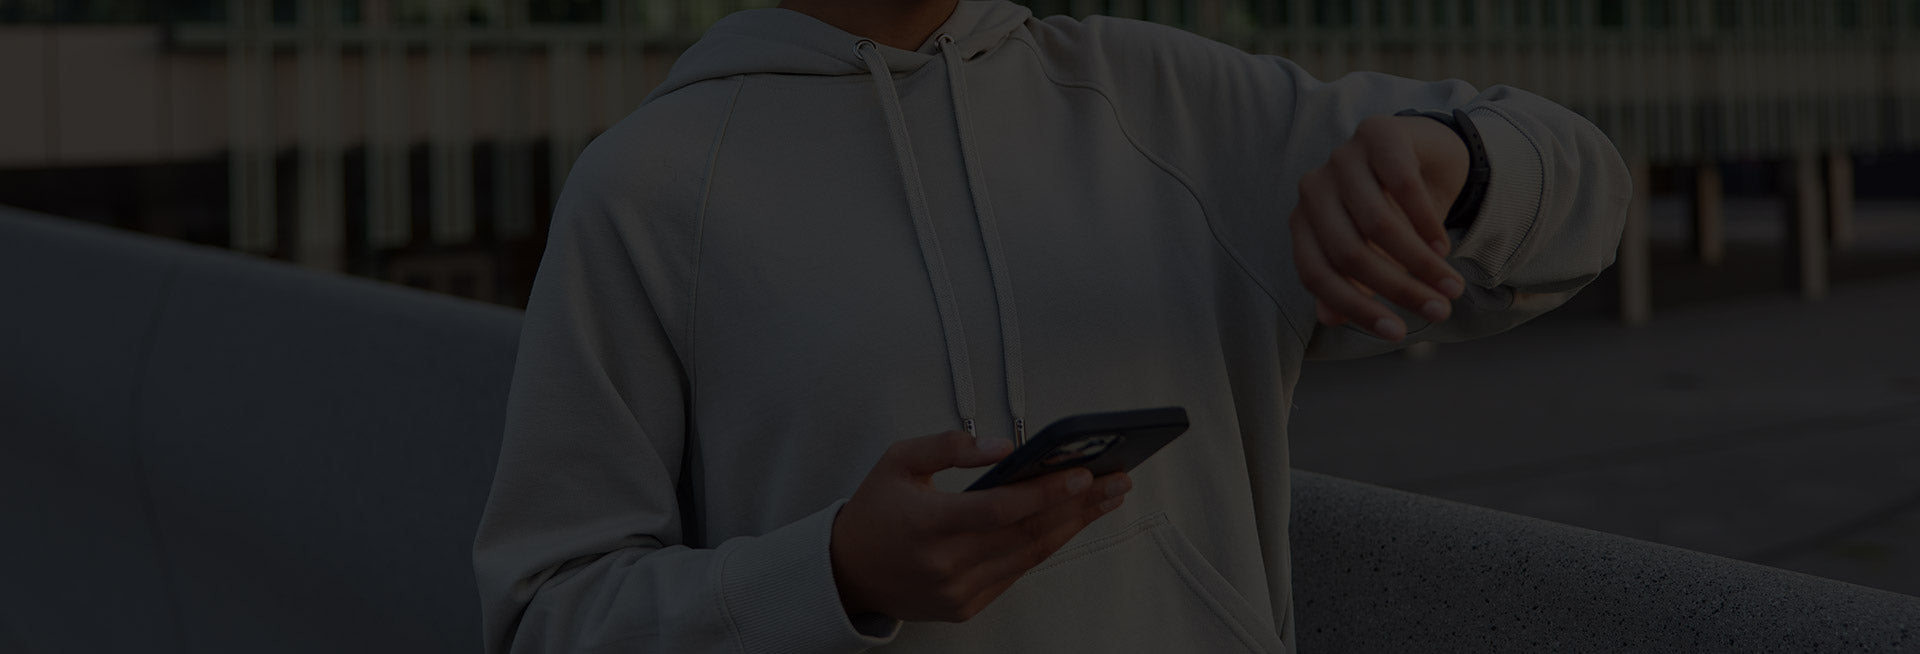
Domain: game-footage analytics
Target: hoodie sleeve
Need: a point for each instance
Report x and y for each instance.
(585, 544)
(1241, 130)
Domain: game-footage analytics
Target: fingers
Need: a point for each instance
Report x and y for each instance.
(1315, 253)
(1026, 544)
(972, 567)
(1335, 319)
(1353, 218)
(984, 450)
(926, 455)
(998, 507)
(1372, 186)
(1365, 221)
(1327, 316)
(1396, 165)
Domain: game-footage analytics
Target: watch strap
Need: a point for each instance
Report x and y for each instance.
(1466, 206)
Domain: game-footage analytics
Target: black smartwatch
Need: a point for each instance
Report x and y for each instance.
(1467, 206)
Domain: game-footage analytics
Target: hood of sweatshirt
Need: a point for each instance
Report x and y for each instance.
(782, 41)
(790, 42)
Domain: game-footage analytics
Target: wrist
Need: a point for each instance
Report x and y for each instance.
(1453, 163)
(843, 581)
(1446, 176)
(1443, 158)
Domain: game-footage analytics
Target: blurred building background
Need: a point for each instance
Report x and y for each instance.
(422, 141)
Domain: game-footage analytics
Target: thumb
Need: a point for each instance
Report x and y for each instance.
(930, 454)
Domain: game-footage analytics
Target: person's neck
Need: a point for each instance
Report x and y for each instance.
(904, 24)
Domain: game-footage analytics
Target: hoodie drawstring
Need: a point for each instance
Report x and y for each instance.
(990, 237)
(936, 265)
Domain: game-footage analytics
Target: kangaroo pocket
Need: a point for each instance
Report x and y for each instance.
(1143, 588)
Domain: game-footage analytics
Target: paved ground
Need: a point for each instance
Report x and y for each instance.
(1748, 423)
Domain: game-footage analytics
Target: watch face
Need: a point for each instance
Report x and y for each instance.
(1083, 449)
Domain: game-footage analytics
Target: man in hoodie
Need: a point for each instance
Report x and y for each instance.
(838, 227)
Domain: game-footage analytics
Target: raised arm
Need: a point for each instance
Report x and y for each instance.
(1550, 222)
(1245, 131)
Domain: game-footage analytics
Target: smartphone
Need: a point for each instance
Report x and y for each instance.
(1100, 442)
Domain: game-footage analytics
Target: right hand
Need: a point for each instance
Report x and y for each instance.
(903, 549)
(1373, 217)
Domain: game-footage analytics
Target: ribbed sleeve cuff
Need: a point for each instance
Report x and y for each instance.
(779, 596)
(1512, 206)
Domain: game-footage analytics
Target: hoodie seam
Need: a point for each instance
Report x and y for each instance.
(699, 250)
(1173, 171)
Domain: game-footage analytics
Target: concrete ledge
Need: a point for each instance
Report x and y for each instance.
(1380, 570)
(214, 452)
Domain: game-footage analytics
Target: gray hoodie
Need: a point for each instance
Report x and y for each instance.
(802, 248)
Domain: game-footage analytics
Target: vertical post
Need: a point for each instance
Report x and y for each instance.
(1479, 57)
(1575, 69)
(1634, 81)
(1361, 37)
(1709, 226)
(1688, 80)
(1753, 61)
(566, 60)
(250, 186)
(512, 173)
(389, 191)
(1298, 37)
(1840, 199)
(321, 232)
(1636, 257)
(1807, 232)
(1494, 31)
(452, 136)
(615, 60)
(1854, 120)
(239, 138)
(1908, 57)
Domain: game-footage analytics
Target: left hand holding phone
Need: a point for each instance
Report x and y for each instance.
(904, 549)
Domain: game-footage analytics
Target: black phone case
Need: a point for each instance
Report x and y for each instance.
(1100, 442)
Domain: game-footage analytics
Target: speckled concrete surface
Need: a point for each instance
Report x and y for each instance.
(1379, 570)
(1767, 429)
